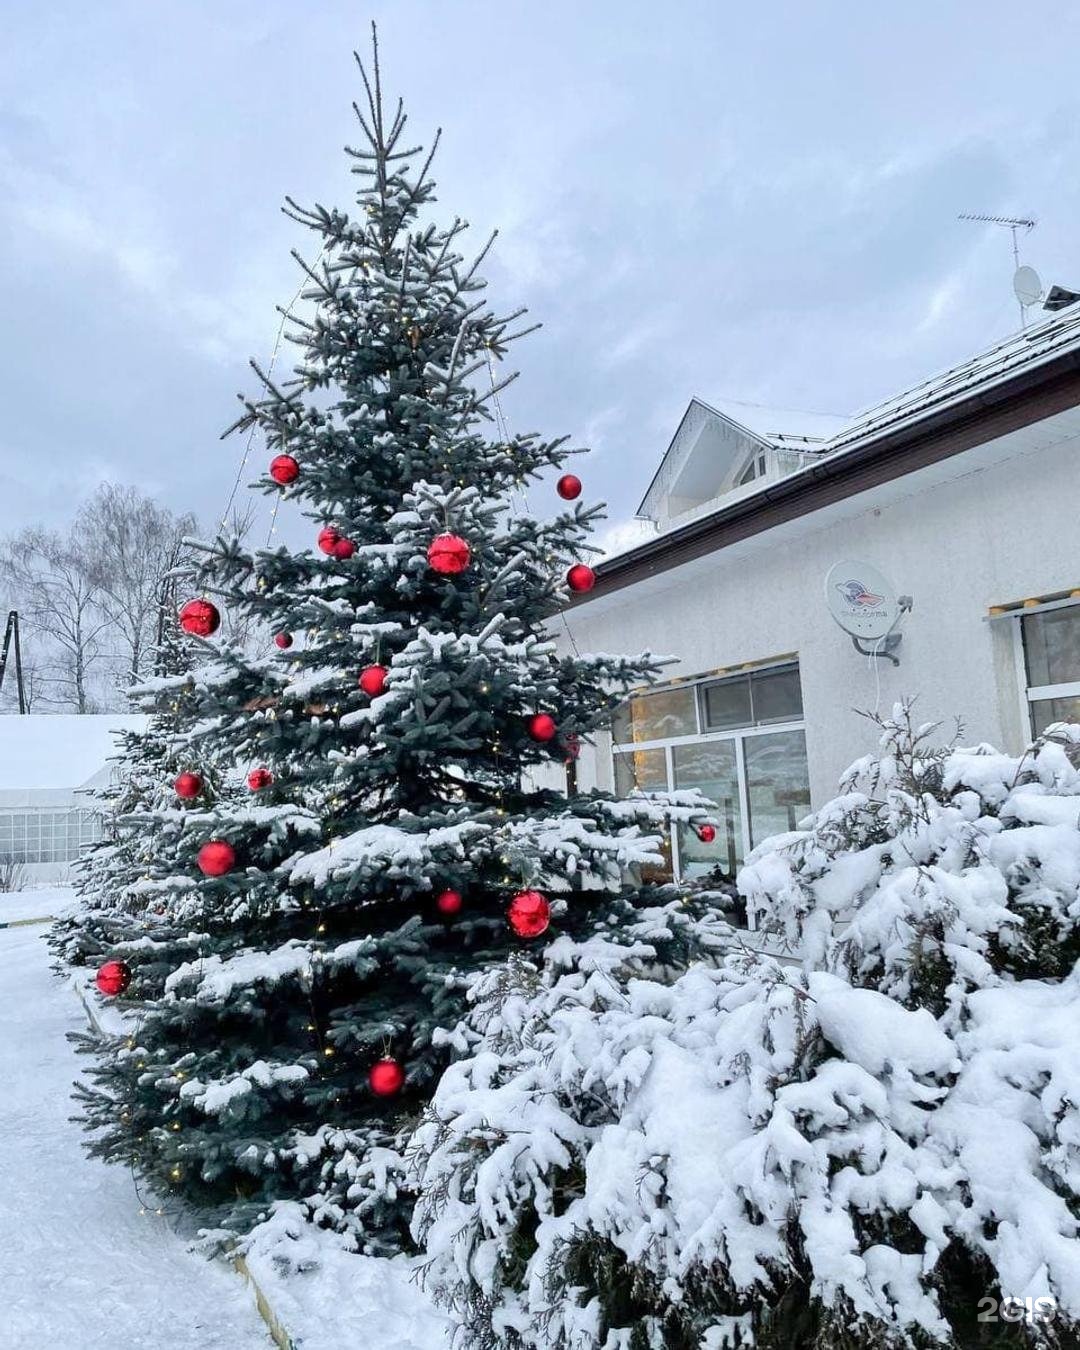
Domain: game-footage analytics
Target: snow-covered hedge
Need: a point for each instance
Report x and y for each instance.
(849, 1149)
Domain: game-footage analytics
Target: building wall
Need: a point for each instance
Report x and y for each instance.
(993, 525)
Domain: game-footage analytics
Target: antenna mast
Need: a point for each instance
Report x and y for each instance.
(1012, 223)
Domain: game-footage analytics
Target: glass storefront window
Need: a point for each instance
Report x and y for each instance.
(1045, 711)
(711, 767)
(1052, 646)
(709, 733)
(727, 705)
(642, 769)
(777, 782)
(656, 717)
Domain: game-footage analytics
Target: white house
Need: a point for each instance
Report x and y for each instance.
(964, 491)
(48, 767)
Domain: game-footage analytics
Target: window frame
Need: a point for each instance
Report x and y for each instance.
(739, 735)
(1037, 693)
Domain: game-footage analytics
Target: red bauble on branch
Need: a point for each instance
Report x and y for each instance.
(113, 978)
(706, 833)
(387, 1077)
(200, 618)
(581, 578)
(334, 544)
(542, 727)
(188, 785)
(283, 640)
(284, 470)
(373, 680)
(529, 914)
(216, 858)
(259, 778)
(448, 554)
(449, 902)
(568, 487)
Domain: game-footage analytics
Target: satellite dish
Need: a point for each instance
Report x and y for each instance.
(861, 600)
(1027, 286)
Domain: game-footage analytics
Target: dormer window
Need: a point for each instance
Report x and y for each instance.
(755, 468)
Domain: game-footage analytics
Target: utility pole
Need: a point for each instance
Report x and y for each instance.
(11, 636)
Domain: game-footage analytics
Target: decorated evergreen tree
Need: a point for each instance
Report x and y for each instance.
(114, 878)
(874, 1146)
(398, 835)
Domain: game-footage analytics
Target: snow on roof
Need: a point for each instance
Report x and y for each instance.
(57, 751)
(780, 426)
(1028, 348)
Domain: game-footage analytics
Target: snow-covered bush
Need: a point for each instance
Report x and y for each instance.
(848, 1149)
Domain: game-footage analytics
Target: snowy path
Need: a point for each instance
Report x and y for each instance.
(80, 1268)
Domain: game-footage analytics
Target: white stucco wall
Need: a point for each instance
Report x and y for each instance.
(990, 526)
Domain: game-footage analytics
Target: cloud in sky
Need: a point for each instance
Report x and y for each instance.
(758, 204)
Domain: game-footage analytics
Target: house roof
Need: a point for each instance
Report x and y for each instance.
(1020, 380)
(59, 751)
(780, 427)
(1021, 351)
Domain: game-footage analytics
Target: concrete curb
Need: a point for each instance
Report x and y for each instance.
(278, 1334)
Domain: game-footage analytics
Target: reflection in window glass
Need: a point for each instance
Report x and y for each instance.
(1045, 711)
(644, 769)
(656, 717)
(777, 782)
(712, 768)
(1052, 646)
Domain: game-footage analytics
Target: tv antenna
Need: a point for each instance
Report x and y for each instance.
(1027, 287)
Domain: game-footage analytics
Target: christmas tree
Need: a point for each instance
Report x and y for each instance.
(398, 836)
(115, 877)
(866, 1149)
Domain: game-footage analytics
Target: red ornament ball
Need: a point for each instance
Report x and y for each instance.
(334, 544)
(386, 1077)
(568, 487)
(373, 680)
(284, 470)
(283, 640)
(188, 785)
(200, 618)
(542, 727)
(448, 554)
(449, 902)
(581, 578)
(529, 914)
(113, 978)
(258, 779)
(216, 858)
(706, 833)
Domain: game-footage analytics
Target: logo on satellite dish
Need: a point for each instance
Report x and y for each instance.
(855, 593)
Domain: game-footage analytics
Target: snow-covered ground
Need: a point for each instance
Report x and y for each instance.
(82, 1268)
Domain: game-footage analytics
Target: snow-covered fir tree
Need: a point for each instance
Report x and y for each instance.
(867, 1146)
(113, 879)
(398, 837)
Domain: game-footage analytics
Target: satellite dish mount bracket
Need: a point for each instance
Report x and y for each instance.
(886, 646)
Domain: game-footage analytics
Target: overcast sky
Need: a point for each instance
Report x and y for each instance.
(754, 202)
